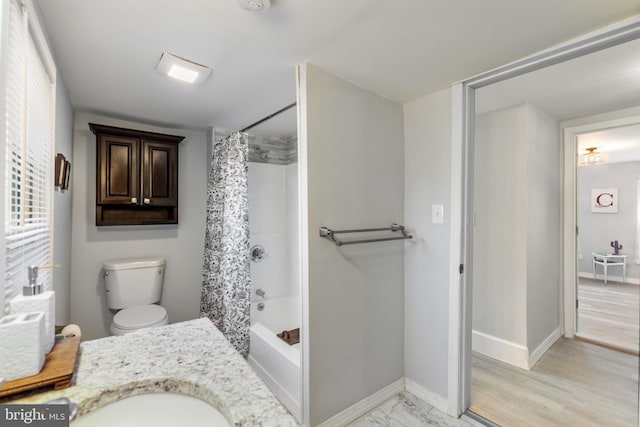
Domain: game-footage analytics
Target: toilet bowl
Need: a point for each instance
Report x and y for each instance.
(138, 317)
(134, 287)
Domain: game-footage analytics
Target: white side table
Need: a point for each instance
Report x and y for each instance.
(609, 260)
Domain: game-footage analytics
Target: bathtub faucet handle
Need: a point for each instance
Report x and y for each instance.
(257, 253)
(260, 293)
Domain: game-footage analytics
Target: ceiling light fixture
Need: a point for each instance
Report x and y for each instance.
(182, 69)
(255, 5)
(591, 157)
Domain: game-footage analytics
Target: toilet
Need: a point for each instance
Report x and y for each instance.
(133, 286)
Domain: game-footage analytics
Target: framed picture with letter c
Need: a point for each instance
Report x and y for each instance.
(604, 200)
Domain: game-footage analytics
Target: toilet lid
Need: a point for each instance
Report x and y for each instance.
(141, 316)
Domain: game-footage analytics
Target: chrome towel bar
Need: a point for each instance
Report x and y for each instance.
(329, 234)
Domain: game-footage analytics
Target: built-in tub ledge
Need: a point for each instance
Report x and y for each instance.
(191, 358)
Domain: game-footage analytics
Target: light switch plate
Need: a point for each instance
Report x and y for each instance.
(437, 214)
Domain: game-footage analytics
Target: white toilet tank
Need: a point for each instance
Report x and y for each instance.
(132, 282)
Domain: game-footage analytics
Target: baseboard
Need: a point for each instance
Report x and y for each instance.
(499, 349)
(428, 396)
(610, 278)
(543, 347)
(276, 389)
(370, 402)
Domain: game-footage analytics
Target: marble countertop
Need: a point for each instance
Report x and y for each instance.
(191, 358)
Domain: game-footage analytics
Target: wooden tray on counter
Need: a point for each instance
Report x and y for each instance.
(57, 371)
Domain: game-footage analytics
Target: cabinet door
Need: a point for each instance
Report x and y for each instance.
(159, 173)
(118, 170)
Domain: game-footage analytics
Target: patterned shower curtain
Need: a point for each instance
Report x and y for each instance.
(226, 284)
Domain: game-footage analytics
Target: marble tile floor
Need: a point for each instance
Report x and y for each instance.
(406, 410)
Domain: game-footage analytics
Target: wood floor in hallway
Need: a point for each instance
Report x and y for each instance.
(574, 384)
(609, 314)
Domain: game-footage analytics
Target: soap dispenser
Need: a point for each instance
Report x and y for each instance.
(34, 299)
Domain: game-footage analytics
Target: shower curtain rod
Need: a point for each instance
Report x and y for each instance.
(282, 110)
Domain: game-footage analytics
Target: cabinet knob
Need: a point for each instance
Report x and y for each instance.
(134, 200)
(146, 201)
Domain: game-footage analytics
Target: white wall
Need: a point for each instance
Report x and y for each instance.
(267, 225)
(544, 227)
(517, 235)
(273, 214)
(500, 233)
(354, 161)
(181, 245)
(427, 181)
(597, 230)
(293, 229)
(62, 226)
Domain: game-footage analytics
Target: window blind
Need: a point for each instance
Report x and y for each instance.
(29, 141)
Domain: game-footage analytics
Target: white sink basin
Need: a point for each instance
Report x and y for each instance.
(154, 410)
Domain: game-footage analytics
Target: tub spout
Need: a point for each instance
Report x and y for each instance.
(260, 293)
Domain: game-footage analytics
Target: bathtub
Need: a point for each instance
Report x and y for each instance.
(276, 362)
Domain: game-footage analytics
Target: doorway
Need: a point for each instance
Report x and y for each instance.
(462, 239)
(608, 278)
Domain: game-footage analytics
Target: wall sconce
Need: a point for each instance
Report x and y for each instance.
(62, 171)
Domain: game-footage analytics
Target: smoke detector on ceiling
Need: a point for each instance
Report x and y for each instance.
(255, 5)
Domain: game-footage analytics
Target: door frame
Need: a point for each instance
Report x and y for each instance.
(461, 240)
(570, 228)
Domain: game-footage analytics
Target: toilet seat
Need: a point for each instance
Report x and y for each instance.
(138, 317)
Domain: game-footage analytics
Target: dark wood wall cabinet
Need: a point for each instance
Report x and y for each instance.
(137, 176)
